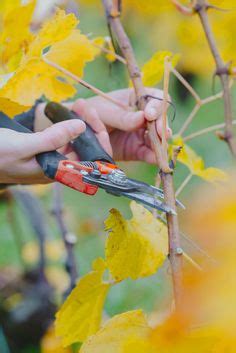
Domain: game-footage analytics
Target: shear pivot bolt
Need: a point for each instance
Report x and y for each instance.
(69, 166)
(117, 177)
(96, 174)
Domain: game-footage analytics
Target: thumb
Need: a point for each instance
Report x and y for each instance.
(56, 136)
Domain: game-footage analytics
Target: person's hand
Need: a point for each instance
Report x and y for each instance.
(17, 151)
(127, 138)
(120, 132)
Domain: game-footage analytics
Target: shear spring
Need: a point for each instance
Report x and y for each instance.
(90, 165)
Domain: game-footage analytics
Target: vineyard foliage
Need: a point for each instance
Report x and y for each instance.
(22, 58)
(47, 62)
(135, 248)
(206, 326)
(183, 34)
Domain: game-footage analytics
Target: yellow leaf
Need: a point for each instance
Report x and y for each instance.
(103, 44)
(137, 247)
(213, 175)
(8, 5)
(34, 78)
(52, 344)
(110, 56)
(135, 345)
(98, 44)
(99, 265)
(196, 165)
(15, 43)
(80, 52)
(153, 70)
(54, 30)
(80, 315)
(12, 108)
(113, 335)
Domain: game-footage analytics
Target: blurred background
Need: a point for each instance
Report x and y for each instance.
(155, 25)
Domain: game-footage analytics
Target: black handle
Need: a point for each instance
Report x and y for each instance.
(48, 161)
(8, 123)
(86, 145)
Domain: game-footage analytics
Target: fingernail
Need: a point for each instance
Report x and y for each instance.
(169, 132)
(152, 112)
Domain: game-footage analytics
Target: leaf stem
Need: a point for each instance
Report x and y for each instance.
(206, 131)
(185, 183)
(107, 51)
(86, 84)
(189, 120)
(186, 84)
(192, 262)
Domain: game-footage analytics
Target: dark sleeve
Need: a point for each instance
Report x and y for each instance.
(27, 119)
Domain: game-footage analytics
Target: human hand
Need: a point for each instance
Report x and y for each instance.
(17, 151)
(127, 130)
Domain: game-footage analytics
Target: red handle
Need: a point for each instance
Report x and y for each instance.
(70, 174)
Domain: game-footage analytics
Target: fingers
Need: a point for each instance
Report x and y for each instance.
(131, 147)
(129, 121)
(54, 137)
(91, 116)
(159, 125)
(154, 110)
(117, 118)
(113, 116)
(146, 154)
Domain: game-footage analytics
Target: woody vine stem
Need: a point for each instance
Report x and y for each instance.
(113, 12)
(222, 70)
(201, 7)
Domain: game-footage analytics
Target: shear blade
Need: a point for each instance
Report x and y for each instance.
(151, 190)
(149, 201)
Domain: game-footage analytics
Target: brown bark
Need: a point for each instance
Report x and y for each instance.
(166, 173)
(222, 71)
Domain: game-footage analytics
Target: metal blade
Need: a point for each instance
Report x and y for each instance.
(134, 190)
(150, 189)
(149, 201)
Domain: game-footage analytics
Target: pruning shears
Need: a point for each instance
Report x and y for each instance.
(96, 169)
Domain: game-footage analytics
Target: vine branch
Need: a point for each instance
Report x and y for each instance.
(15, 227)
(222, 70)
(68, 239)
(36, 216)
(117, 28)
